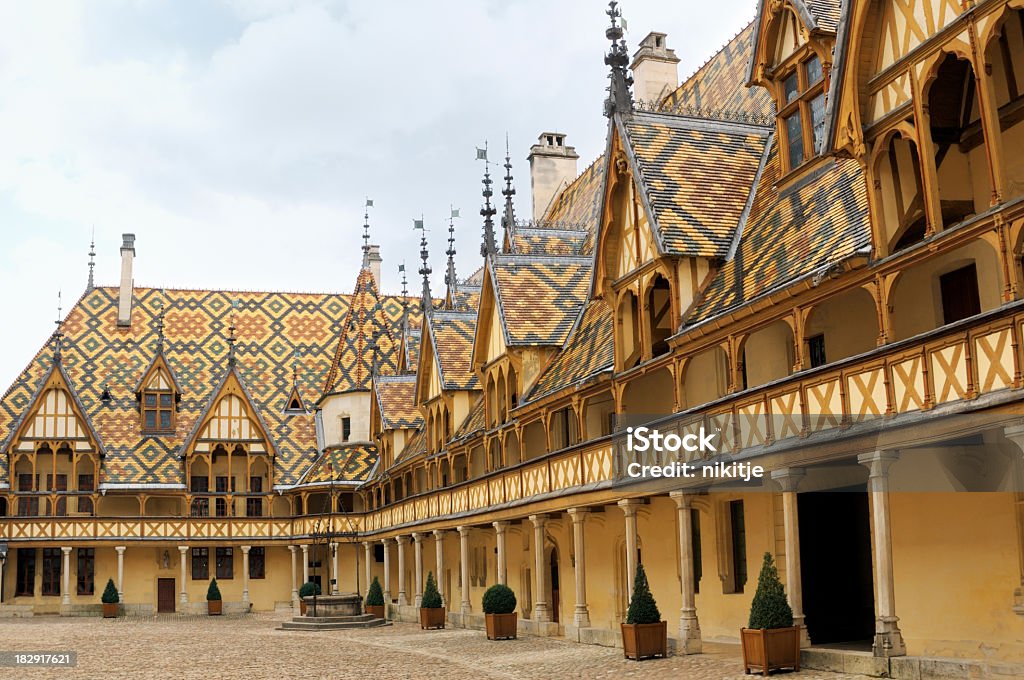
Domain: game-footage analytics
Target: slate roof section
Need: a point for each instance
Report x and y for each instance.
(270, 328)
(821, 220)
(528, 241)
(396, 399)
(718, 88)
(474, 421)
(452, 334)
(416, 446)
(352, 463)
(588, 351)
(539, 298)
(696, 176)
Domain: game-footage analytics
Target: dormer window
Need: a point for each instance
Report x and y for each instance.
(158, 403)
(802, 110)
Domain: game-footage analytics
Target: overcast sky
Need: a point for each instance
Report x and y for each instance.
(239, 139)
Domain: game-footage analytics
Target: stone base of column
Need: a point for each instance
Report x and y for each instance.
(689, 636)
(540, 612)
(888, 639)
(466, 609)
(402, 600)
(419, 600)
(805, 639)
(581, 617)
(183, 598)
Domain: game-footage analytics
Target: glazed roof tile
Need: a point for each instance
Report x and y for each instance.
(352, 463)
(396, 398)
(539, 297)
(528, 241)
(589, 350)
(452, 334)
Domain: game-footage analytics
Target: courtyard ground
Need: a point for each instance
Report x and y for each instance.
(204, 647)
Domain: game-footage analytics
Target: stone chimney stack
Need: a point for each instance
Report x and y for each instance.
(552, 168)
(374, 259)
(124, 301)
(655, 69)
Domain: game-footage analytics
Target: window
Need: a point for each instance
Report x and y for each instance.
(225, 563)
(200, 507)
(86, 483)
(51, 571)
(26, 581)
(199, 484)
(157, 410)
(738, 533)
(960, 294)
(816, 350)
(62, 503)
(86, 571)
(695, 541)
(27, 507)
(346, 428)
(802, 110)
(200, 564)
(257, 562)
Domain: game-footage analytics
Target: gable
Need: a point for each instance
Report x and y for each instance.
(230, 419)
(54, 415)
(489, 343)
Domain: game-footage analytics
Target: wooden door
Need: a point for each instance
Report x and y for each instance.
(165, 595)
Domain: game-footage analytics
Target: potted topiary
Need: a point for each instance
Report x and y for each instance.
(110, 600)
(308, 589)
(375, 600)
(431, 610)
(500, 612)
(771, 641)
(644, 634)
(213, 603)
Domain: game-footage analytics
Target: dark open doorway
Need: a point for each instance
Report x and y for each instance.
(556, 603)
(835, 565)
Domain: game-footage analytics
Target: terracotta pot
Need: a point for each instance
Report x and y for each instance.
(432, 618)
(377, 611)
(110, 611)
(645, 640)
(501, 626)
(769, 650)
(213, 607)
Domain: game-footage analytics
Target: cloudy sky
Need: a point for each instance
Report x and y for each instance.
(239, 139)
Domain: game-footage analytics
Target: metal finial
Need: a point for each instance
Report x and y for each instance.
(231, 335)
(489, 247)
(405, 286)
(450, 280)
(375, 362)
(425, 269)
(58, 334)
(508, 218)
(295, 367)
(366, 233)
(92, 262)
(160, 326)
(620, 98)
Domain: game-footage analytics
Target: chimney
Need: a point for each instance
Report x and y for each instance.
(374, 261)
(124, 301)
(552, 168)
(655, 69)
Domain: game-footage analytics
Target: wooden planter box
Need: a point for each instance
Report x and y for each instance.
(377, 611)
(302, 607)
(501, 626)
(213, 607)
(110, 610)
(432, 618)
(645, 640)
(770, 650)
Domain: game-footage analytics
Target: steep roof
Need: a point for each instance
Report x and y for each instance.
(696, 175)
(539, 298)
(351, 463)
(452, 335)
(396, 397)
(529, 241)
(589, 350)
(791, 234)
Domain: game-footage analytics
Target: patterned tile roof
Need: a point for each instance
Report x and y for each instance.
(396, 398)
(527, 241)
(452, 334)
(467, 297)
(417, 445)
(474, 421)
(350, 463)
(696, 176)
(588, 350)
(539, 298)
(788, 235)
(411, 347)
(718, 88)
(826, 14)
(372, 321)
(579, 204)
(271, 327)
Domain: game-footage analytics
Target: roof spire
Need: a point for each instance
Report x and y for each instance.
(425, 270)
(231, 335)
(58, 335)
(489, 247)
(92, 261)
(620, 98)
(366, 233)
(450, 279)
(160, 327)
(405, 286)
(508, 218)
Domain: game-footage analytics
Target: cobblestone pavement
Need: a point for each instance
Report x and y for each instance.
(204, 647)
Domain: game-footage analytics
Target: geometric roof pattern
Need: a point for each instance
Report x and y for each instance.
(348, 463)
(821, 220)
(717, 89)
(539, 298)
(271, 329)
(452, 336)
(527, 241)
(578, 206)
(696, 176)
(396, 398)
(589, 350)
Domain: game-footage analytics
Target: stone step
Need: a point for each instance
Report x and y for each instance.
(337, 625)
(333, 619)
